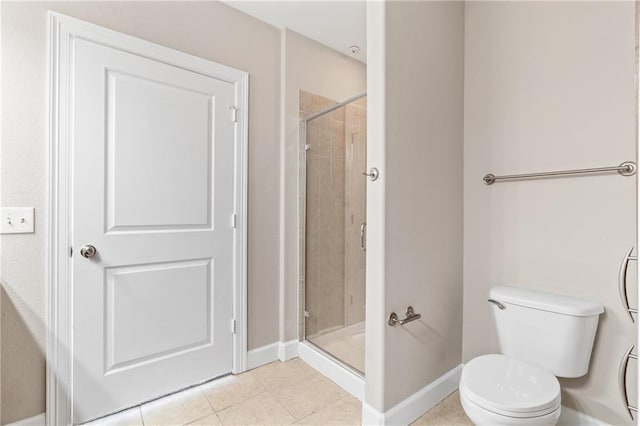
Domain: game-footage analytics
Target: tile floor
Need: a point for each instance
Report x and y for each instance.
(275, 394)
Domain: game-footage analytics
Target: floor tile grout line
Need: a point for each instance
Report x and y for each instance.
(262, 391)
(316, 409)
(243, 401)
(285, 408)
(324, 408)
(140, 412)
(206, 398)
(200, 418)
(240, 402)
(266, 392)
(208, 403)
(302, 375)
(281, 386)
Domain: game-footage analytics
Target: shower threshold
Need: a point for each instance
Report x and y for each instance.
(345, 376)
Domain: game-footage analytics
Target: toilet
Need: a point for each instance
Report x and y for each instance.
(542, 336)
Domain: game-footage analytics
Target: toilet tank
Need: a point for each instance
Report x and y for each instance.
(551, 331)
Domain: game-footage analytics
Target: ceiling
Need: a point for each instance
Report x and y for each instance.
(336, 24)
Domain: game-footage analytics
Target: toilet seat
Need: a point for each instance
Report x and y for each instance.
(510, 387)
(483, 417)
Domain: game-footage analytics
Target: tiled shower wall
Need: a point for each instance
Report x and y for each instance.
(324, 215)
(356, 211)
(333, 263)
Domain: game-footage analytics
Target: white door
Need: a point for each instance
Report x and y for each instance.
(153, 192)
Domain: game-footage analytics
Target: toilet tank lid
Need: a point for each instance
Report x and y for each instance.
(545, 301)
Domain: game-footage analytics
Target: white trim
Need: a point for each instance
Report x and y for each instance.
(62, 29)
(371, 416)
(263, 355)
(282, 202)
(342, 376)
(417, 404)
(277, 351)
(241, 195)
(288, 350)
(571, 417)
(38, 420)
(376, 256)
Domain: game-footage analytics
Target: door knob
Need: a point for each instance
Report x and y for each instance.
(88, 251)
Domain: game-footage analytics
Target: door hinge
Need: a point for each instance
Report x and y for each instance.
(234, 113)
(70, 251)
(234, 221)
(233, 326)
(307, 147)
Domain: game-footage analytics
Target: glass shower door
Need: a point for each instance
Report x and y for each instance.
(335, 232)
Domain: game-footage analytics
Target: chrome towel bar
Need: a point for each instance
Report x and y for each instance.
(628, 168)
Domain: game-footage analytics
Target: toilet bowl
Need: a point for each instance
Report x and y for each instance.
(500, 390)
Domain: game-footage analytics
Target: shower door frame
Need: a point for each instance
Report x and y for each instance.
(302, 228)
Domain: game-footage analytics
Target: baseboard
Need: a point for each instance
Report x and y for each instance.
(38, 420)
(288, 350)
(263, 355)
(571, 417)
(338, 373)
(371, 416)
(417, 404)
(282, 351)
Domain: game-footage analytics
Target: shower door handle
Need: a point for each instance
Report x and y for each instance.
(373, 174)
(363, 243)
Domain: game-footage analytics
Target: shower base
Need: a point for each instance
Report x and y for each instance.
(346, 344)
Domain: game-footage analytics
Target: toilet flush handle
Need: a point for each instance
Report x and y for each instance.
(498, 304)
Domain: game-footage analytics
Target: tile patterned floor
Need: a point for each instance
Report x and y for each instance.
(276, 394)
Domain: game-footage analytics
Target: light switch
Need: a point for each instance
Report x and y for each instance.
(16, 220)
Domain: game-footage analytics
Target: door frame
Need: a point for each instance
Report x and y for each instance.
(63, 30)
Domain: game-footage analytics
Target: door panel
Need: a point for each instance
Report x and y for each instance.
(153, 191)
(131, 338)
(142, 116)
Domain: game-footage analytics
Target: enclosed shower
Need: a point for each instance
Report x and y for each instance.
(333, 226)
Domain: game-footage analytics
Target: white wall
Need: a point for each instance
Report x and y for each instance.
(549, 86)
(312, 67)
(414, 211)
(207, 29)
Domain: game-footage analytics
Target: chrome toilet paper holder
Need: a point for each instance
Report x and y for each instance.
(410, 315)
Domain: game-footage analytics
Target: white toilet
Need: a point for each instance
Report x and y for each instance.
(541, 335)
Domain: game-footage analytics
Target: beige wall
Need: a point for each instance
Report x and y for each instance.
(423, 192)
(207, 29)
(550, 86)
(421, 216)
(314, 68)
(375, 265)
